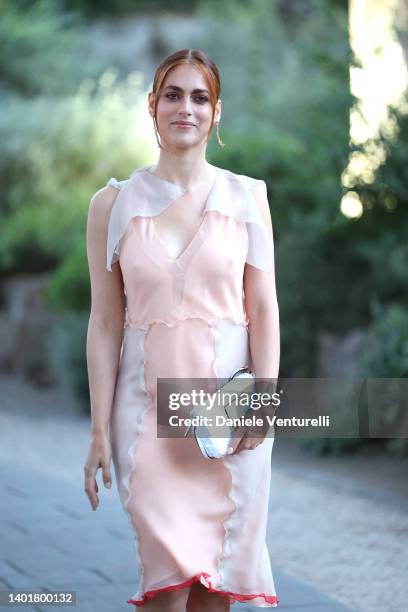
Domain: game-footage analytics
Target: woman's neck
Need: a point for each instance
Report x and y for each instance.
(187, 173)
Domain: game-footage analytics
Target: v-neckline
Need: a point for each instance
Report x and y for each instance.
(196, 234)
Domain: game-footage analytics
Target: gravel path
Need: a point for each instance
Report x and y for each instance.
(337, 524)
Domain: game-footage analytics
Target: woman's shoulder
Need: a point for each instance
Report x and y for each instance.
(241, 179)
(251, 192)
(103, 199)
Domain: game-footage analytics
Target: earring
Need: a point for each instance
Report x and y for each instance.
(218, 135)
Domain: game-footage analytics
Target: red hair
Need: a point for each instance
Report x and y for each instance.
(204, 64)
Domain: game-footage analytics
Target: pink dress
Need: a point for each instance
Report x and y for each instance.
(193, 519)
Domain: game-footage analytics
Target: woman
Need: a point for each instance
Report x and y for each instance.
(189, 291)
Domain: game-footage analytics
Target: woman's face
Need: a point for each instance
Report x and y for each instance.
(184, 97)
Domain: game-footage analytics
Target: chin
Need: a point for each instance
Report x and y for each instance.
(182, 140)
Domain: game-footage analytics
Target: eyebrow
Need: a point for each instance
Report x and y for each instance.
(176, 88)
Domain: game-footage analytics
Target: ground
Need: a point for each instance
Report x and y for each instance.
(337, 526)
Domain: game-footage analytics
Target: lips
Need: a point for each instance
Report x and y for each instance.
(182, 123)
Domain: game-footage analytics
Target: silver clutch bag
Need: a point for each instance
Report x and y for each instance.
(216, 436)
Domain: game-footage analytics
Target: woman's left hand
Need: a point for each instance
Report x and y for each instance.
(253, 436)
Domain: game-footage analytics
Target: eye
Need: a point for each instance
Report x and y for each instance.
(199, 99)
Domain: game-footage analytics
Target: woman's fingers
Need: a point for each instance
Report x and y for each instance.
(247, 443)
(91, 486)
(241, 431)
(250, 440)
(106, 475)
(99, 457)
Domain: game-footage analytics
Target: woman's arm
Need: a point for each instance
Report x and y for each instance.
(261, 305)
(104, 338)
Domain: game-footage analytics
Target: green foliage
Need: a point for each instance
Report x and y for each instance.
(56, 154)
(92, 8)
(69, 287)
(41, 48)
(380, 234)
(387, 357)
(387, 347)
(376, 252)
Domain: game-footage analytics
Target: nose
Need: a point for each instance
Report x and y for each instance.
(185, 105)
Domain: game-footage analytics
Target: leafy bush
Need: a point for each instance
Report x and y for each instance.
(69, 287)
(387, 357)
(57, 153)
(387, 351)
(42, 49)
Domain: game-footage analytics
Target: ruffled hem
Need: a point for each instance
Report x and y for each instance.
(203, 577)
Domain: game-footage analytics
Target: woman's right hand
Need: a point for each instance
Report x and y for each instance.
(99, 456)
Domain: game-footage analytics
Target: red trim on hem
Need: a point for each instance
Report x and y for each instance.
(233, 597)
